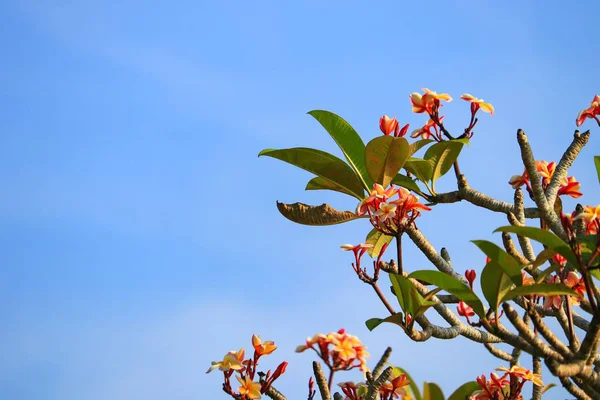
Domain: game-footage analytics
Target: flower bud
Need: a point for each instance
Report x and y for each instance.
(470, 274)
(388, 125)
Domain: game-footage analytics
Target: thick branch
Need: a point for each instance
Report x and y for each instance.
(496, 352)
(274, 394)
(546, 351)
(560, 173)
(381, 363)
(519, 214)
(465, 192)
(321, 381)
(546, 209)
(374, 386)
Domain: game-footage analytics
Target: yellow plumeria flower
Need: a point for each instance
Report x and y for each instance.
(232, 360)
(435, 95)
(344, 348)
(263, 348)
(524, 373)
(479, 103)
(249, 388)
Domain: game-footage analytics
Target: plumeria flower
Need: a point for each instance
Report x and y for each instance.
(411, 203)
(436, 96)
(476, 104)
(573, 281)
(388, 125)
(377, 194)
(310, 341)
(427, 102)
(262, 348)
(559, 259)
(522, 373)
(464, 310)
(590, 214)
(570, 188)
(553, 301)
(425, 131)
(421, 104)
(591, 112)
(517, 181)
(386, 211)
(338, 350)
(546, 171)
(249, 388)
(344, 347)
(232, 360)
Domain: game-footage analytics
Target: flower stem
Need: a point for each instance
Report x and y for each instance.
(399, 252)
(330, 380)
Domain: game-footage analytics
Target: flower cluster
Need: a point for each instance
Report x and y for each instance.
(505, 387)
(391, 389)
(430, 102)
(388, 214)
(569, 186)
(338, 350)
(592, 112)
(246, 369)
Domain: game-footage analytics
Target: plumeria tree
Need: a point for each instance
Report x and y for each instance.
(541, 304)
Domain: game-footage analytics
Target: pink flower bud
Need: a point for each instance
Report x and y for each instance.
(470, 274)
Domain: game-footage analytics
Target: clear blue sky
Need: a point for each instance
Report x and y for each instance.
(139, 234)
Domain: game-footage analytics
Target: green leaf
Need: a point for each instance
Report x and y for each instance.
(378, 240)
(431, 391)
(384, 156)
(406, 182)
(452, 286)
(510, 266)
(597, 163)
(348, 141)
(422, 169)
(394, 319)
(588, 245)
(541, 258)
(409, 298)
(542, 289)
(442, 155)
(320, 183)
(416, 146)
(546, 238)
(315, 215)
(413, 385)
(321, 164)
(494, 284)
(464, 391)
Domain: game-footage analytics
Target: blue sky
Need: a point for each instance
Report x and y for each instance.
(138, 229)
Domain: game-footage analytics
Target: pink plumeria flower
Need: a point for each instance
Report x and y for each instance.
(386, 211)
